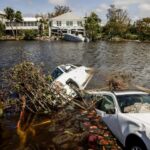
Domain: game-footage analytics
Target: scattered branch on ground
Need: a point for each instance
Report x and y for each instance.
(120, 81)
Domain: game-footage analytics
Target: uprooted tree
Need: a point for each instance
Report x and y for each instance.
(35, 93)
(29, 82)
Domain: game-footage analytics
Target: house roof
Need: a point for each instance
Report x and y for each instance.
(2, 13)
(68, 16)
(30, 19)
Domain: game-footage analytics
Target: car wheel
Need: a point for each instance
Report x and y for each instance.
(136, 148)
(138, 145)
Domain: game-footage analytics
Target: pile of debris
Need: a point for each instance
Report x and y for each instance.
(69, 129)
(73, 123)
(79, 129)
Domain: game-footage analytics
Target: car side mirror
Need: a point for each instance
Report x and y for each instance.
(68, 67)
(111, 111)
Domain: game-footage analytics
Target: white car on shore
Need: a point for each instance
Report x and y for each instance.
(71, 76)
(127, 115)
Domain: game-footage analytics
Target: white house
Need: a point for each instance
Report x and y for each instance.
(26, 24)
(2, 17)
(66, 23)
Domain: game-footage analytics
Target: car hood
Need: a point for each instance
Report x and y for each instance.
(143, 118)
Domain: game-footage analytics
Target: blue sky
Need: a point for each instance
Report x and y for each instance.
(136, 8)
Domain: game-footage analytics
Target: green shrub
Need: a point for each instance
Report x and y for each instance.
(30, 34)
(131, 36)
(2, 29)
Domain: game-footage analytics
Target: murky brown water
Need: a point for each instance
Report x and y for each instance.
(106, 57)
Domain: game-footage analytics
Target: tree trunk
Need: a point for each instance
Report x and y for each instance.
(12, 29)
(16, 30)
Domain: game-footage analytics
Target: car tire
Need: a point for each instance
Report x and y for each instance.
(136, 145)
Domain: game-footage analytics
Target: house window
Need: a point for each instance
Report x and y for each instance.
(28, 23)
(69, 23)
(58, 23)
(35, 23)
(79, 23)
(25, 24)
(13, 24)
(7, 24)
(19, 24)
(32, 23)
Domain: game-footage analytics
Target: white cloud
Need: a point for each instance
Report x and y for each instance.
(142, 6)
(144, 9)
(126, 3)
(58, 2)
(102, 8)
(134, 18)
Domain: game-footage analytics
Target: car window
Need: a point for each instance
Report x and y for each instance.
(105, 104)
(134, 103)
(56, 73)
(68, 68)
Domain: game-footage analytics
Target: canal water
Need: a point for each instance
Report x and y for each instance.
(105, 57)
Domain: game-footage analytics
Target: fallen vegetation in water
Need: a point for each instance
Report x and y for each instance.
(70, 123)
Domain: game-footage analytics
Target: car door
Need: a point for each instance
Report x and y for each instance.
(106, 108)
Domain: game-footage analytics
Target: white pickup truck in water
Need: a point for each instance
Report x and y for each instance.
(71, 76)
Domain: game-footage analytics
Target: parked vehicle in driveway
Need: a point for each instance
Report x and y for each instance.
(127, 114)
(71, 76)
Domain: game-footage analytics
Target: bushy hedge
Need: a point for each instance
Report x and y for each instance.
(131, 36)
(30, 34)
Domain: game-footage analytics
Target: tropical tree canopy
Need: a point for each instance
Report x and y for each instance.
(92, 26)
(18, 17)
(143, 28)
(13, 17)
(59, 10)
(10, 13)
(118, 21)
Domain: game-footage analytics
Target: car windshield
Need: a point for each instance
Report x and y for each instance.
(56, 73)
(68, 68)
(138, 103)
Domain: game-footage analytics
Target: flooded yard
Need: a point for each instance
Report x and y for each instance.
(105, 57)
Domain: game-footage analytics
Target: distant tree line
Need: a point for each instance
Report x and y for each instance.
(118, 25)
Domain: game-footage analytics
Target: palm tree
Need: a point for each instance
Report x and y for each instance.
(18, 19)
(10, 15)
